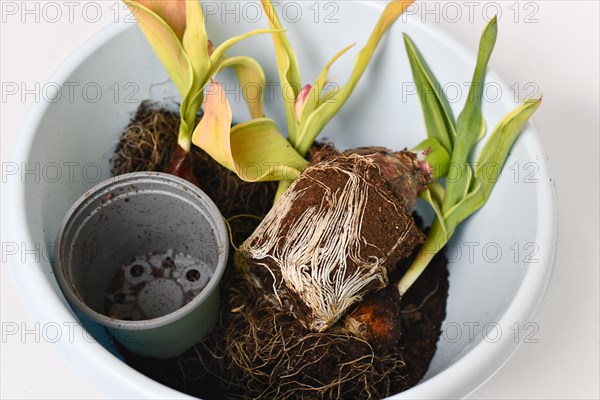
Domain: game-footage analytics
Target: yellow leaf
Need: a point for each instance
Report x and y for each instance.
(261, 153)
(318, 87)
(195, 42)
(254, 150)
(219, 52)
(170, 11)
(213, 132)
(316, 121)
(164, 40)
(252, 82)
(289, 71)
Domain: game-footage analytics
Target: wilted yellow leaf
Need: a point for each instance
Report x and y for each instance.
(254, 150)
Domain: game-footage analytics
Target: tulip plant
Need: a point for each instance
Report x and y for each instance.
(308, 110)
(176, 31)
(470, 189)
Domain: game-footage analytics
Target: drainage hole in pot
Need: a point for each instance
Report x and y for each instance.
(193, 275)
(156, 284)
(137, 270)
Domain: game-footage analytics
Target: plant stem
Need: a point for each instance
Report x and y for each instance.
(435, 241)
(281, 188)
(184, 139)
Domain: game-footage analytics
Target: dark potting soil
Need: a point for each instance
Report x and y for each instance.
(211, 370)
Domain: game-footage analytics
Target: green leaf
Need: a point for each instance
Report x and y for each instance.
(436, 240)
(431, 196)
(494, 153)
(470, 126)
(437, 156)
(468, 204)
(189, 110)
(255, 150)
(282, 187)
(328, 96)
(252, 81)
(492, 159)
(437, 192)
(195, 42)
(314, 96)
(323, 114)
(287, 66)
(166, 45)
(439, 119)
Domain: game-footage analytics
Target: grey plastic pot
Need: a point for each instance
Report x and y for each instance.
(121, 220)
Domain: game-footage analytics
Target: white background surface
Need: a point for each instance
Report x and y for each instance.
(550, 47)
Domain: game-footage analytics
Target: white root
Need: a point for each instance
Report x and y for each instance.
(312, 256)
